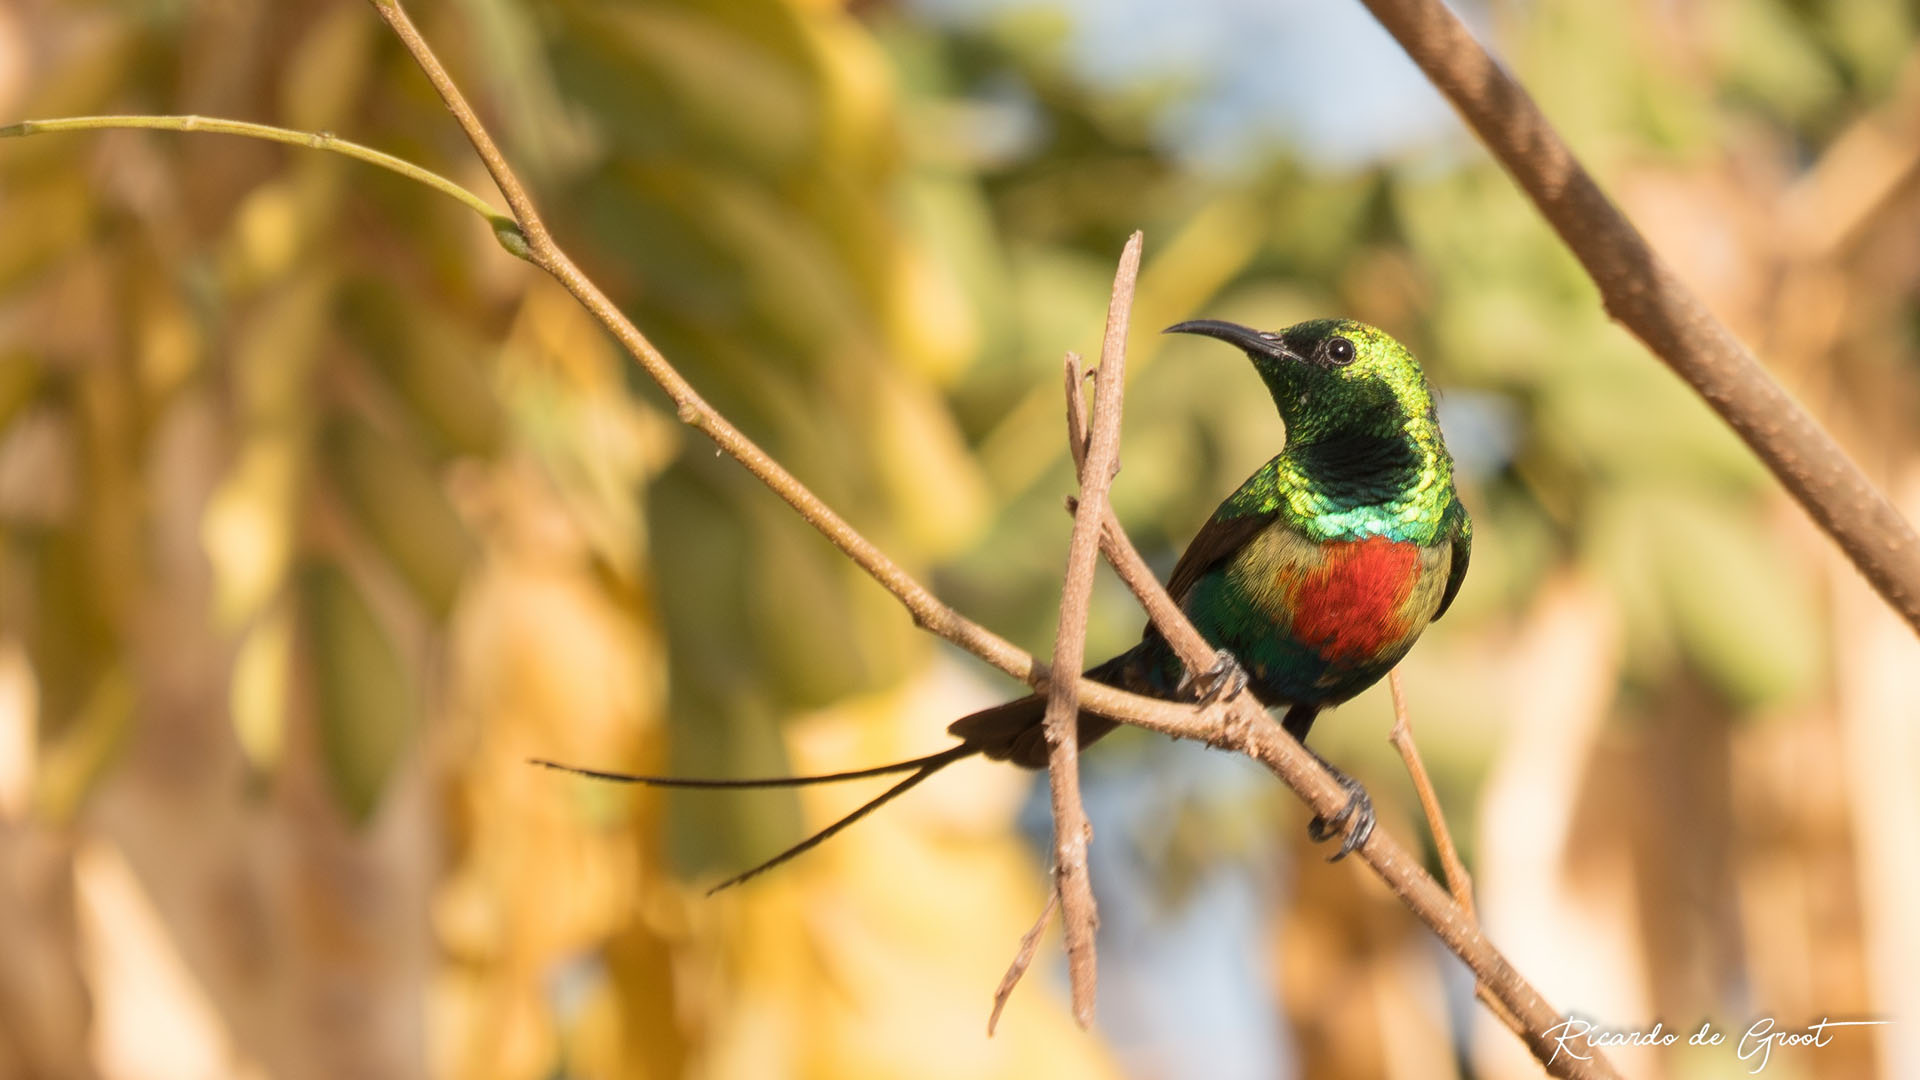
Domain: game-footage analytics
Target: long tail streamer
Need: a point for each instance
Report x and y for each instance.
(922, 767)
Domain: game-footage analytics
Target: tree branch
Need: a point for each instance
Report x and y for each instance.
(1644, 295)
(1071, 830)
(524, 212)
(1030, 941)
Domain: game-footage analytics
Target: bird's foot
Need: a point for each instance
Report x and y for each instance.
(1221, 682)
(1358, 811)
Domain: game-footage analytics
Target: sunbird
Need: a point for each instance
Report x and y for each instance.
(1313, 578)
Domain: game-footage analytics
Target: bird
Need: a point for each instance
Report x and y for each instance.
(1312, 579)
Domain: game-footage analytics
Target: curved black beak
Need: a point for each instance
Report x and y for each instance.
(1253, 341)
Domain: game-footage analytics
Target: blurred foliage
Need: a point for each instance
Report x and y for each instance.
(321, 515)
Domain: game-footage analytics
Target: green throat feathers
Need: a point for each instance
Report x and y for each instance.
(1363, 453)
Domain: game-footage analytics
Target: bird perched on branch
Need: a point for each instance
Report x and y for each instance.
(1313, 578)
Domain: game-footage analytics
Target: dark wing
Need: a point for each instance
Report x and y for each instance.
(1224, 534)
(1459, 526)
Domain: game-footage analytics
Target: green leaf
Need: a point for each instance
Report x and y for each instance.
(364, 702)
(1744, 619)
(405, 513)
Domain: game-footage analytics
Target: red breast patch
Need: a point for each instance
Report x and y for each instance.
(1349, 607)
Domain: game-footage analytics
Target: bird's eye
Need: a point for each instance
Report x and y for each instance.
(1340, 351)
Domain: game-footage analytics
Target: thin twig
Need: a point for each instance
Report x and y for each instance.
(524, 212)
(1459, 882)
(1076, 412)
(504, 228)
(1248, 730)
(1071, 830)
(1401, 737)
(1649, 299)
(1022, 960)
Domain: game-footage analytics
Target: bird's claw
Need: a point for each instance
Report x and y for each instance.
(1358, 810)
(1221, 682)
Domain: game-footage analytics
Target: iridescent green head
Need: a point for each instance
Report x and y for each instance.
(1331, 377)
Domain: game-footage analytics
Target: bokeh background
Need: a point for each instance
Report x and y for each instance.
(321, 515)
